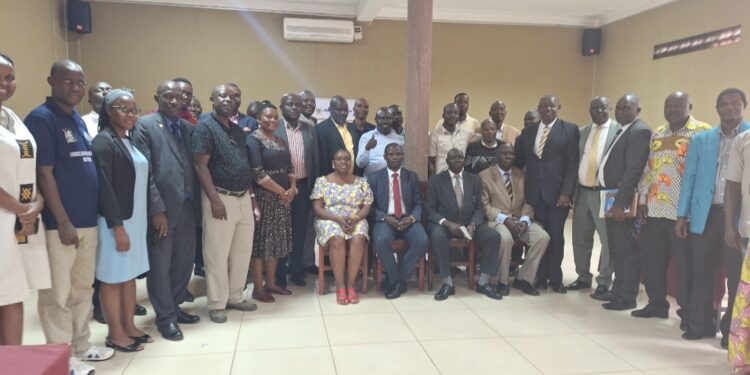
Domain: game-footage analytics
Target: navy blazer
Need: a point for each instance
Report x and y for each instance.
(556, 173)
(410, 194)
(330, 141)
(441, 200)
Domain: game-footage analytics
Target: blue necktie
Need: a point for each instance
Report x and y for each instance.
(175, 126)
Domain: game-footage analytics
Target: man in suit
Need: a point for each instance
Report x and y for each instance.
(359, 127)
(166, 139)
(621, 169)
(398, 119)
(531, 117)
(397, 213)
(303, 147)
(549, 152)
(658, 196)
(505, 132)
(454, 202)
(595, 139)
(508, 213)
(334, 134)
(701, 211)
(308, 107)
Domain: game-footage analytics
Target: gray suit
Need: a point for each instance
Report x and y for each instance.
(170, 257)
(586, 219)
(301, 212)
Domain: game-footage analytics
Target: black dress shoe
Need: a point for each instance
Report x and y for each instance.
(578, 285)
(395, 290)
(488, 291)
(185, 318)
(558, 288)
(725, 342)
(298, 279)
(602, 293)
(525, 287)
(541, 284)
(697, 334)
(445, 291)
(649, 311)
(618, 305)
(189, 297)
(684, 321)
(312, 269)
(503, 289)
(200, 270)
(140, 310)
(171, 331)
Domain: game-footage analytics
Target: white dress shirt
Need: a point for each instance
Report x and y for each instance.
(391, 200)
(540, 131)
(584, 165)
(92, 123)
(606, 156)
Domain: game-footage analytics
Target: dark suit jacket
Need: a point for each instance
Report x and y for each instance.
(627, 158)
(380, 186)
(441, 200)
(116, 171)
(171, 165)
(310, 140)
(329, 141)
(556, 173)
(246, 122)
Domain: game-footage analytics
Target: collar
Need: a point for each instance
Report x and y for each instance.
(93, 115)
(488, 146)
(445, 131)
(289, 127)
(503, 172)
(336, 124)
(56, 108)
(391, 172)
(734, 132)
(541, 123)
(169, 122)
(459, 174)
(624, 127)
(604, 125)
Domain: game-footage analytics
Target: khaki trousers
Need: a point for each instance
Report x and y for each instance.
(65, 308)
(227, 248)
(536, 238)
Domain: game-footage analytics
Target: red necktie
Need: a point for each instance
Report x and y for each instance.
(397, 210)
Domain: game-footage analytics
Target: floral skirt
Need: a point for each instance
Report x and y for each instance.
(739, 355)
(273, 233)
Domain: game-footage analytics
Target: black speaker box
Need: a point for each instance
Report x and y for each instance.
(79, 16)
(591, 42)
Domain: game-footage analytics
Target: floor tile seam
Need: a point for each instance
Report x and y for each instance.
(183, 355)
(130, 360)
(325, 327)
(500, 335)
(419, 342)
(528, 360)
(634, 367)
(281, 348)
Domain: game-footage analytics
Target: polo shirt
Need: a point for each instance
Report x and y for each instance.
(229, 164)
(63, 142)
(442, 141)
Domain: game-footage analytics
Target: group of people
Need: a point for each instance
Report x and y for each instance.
(115, 195)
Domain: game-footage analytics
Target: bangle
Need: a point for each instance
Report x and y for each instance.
(252, 195)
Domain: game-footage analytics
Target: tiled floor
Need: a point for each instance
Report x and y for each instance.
(468, 334)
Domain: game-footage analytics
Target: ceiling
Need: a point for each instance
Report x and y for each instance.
(580, 13)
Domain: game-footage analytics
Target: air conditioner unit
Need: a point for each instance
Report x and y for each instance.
(317, 30)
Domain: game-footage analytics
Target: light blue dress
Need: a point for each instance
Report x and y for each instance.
(115, 267)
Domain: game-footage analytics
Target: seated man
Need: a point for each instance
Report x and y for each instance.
(397, 211)
(454, 209)
(509, 214)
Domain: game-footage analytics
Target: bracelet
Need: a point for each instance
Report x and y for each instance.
(252, 195)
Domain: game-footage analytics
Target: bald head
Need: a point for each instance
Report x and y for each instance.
(169, 99)
(308, 102)
(97, 93)
(68, 84)
(291, 107)
(599, 110)
(628, 109)
(64, 65)
(677, 108)
(339, 109)
(549, 107)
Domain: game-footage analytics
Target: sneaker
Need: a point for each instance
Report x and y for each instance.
(96, 354)
(76, 367)
(218, 316)
(243, 306)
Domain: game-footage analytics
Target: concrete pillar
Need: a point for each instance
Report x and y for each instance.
(418, 80)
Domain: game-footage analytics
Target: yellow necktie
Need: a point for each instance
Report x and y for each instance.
(542, 142)
(593, 158)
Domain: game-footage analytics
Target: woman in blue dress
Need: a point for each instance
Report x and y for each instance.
(123, 187)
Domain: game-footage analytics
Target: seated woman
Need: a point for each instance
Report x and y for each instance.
(121, 254)
(24, 265)
(274, 174)
(341, 202)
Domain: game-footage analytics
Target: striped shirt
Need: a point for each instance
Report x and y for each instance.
(297, 150)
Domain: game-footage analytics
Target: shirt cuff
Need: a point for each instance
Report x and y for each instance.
(525, 219)
(441, 221)
(500, 218)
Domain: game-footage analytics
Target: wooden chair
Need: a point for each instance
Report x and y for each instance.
(399, 247)
(324, 266)
(460, 244)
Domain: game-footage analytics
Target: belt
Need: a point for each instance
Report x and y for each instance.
(718, 206)
(231, 193)
(595, 188)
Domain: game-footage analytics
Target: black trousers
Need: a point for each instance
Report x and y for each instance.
(300, 208)
(487, 242)
(171, 263)
(659, 244)
(626, 258)
(552, 219)
(708, 250)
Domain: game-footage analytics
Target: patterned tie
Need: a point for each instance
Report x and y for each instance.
(542, 141)
(397, 209)
(508, 186)
(175, 127)
(459, 192)
(592, 158)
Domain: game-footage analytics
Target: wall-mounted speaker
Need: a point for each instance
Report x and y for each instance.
(591, 42)
(79, 16)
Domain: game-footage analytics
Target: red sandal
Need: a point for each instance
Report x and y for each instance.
(352, 295)
(341, 297)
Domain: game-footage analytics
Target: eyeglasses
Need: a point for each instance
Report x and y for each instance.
(127, 111)
(80, 83)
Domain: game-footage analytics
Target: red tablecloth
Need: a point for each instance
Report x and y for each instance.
(34, 359)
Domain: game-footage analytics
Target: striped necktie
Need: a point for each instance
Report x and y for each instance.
(542, 141)
(508, 186)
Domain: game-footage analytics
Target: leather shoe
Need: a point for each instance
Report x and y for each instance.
(395, 290)
(488, 291)
(578, 285)
(185, 318)
(541, 284)
(684, 321)
(312, 269)
(503, 289)
(650, 312)
(725, 342)
(697, 335)
(171, 331)
(298, 279)
(445, 291)
(602, 293)
(558, 288)
(140, 310)
(525, 287)
(618, 305)
(189, 297)
(200, 270)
